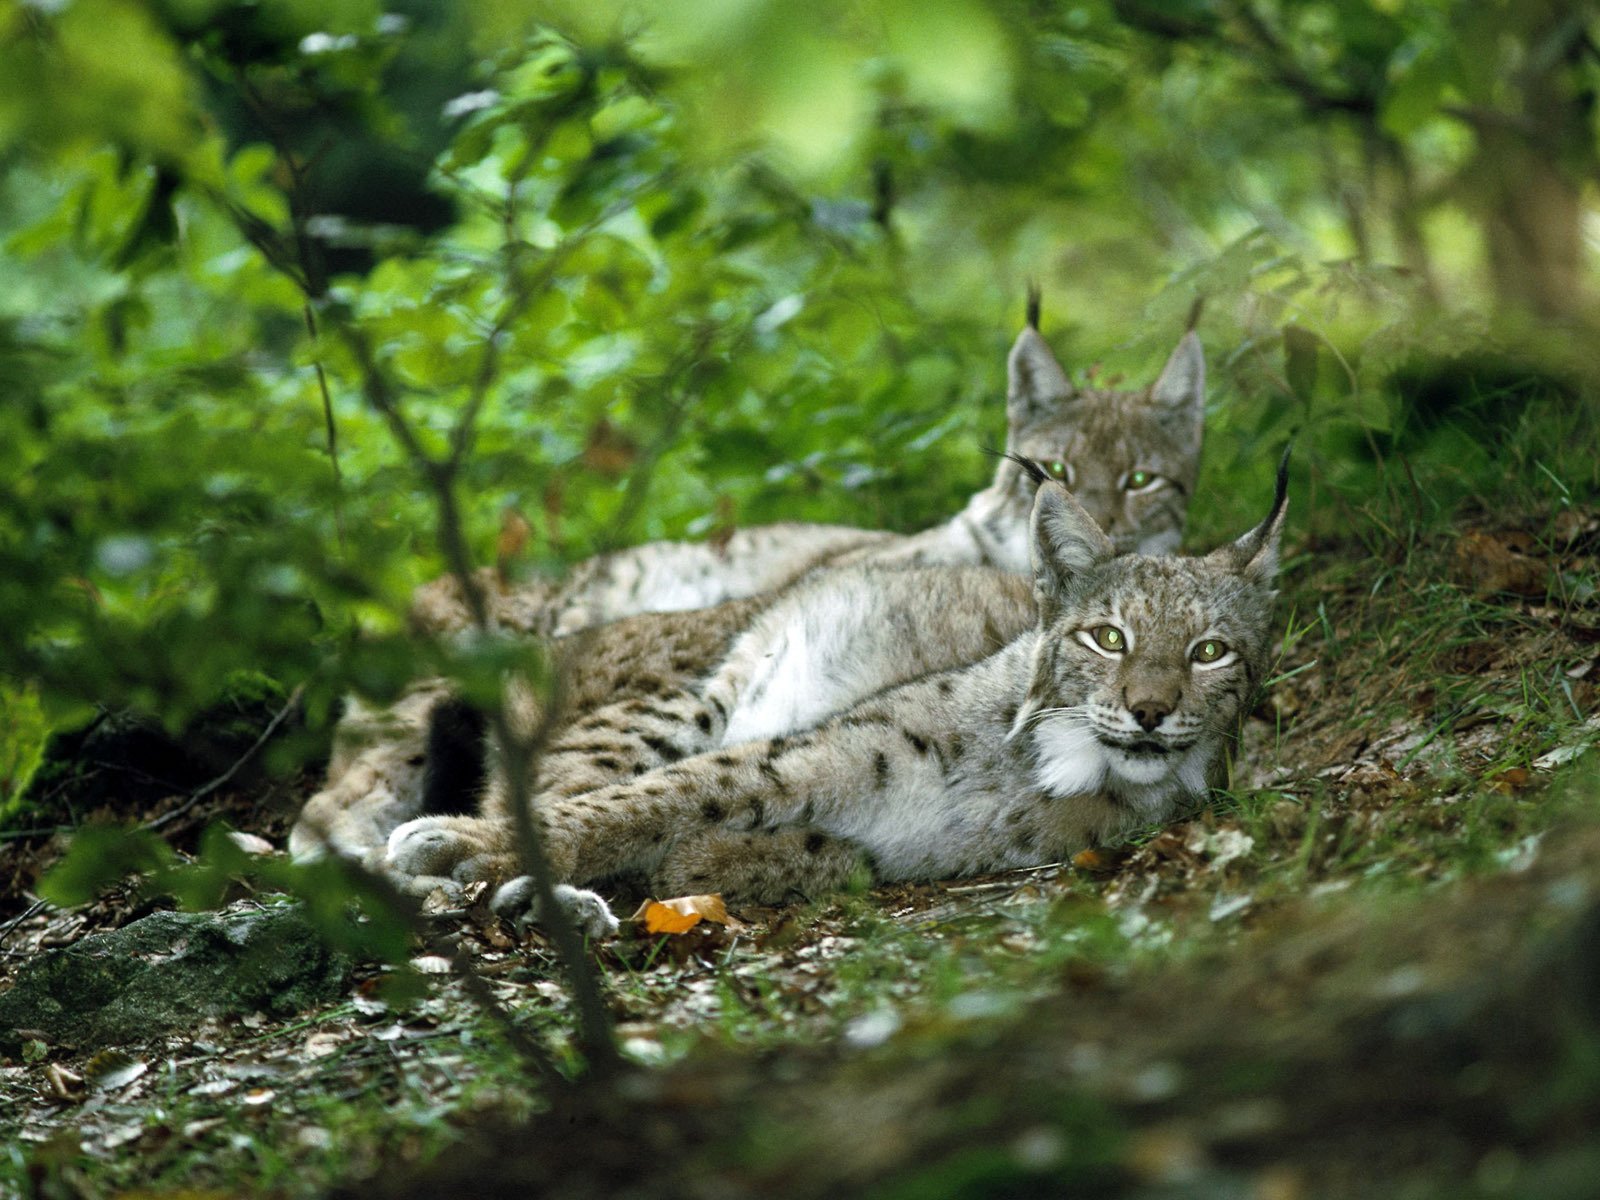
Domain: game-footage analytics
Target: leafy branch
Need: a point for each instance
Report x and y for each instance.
(294, 256)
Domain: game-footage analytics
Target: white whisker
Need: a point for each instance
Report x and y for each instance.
(1069, 710)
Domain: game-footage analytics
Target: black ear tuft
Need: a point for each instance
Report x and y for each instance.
(1033, 470)
(1281, 490)
(1256, 553)
(1195, 310)
(1033, 304)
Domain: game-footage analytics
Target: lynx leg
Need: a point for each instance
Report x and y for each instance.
(517, 902)
(375, 776)
(760, 866)
(465, 849)
(625, 740)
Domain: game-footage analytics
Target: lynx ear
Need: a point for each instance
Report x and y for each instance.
(1255, 555)
(1181, 388)
(1066, 542)
(1035, 381)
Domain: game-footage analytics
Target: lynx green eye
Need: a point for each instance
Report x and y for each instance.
(1057, 468)
(1209, 651)
(1137, 481)
(1109, 637)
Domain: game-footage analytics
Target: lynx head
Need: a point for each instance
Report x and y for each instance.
(1130, 457)
(1144, 665)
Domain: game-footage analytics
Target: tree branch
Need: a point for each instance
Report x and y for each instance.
(300, 265)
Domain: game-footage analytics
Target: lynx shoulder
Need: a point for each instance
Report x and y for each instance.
(1111, 709)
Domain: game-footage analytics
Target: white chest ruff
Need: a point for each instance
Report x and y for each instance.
(1069, 759)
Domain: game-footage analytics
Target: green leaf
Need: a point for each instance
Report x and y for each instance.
(1301, 348)
(99, 856)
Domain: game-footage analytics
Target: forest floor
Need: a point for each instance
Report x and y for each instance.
(1372, 968)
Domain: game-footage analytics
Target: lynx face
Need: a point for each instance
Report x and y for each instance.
(1145, 665)
(1130, 457)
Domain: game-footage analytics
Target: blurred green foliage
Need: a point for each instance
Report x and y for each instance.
(644, 269)
(330, 890)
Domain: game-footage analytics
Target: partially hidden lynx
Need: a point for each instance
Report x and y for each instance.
(1109, 703)
(1131, 454)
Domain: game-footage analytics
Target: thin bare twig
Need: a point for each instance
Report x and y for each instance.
(332, 429)
(10, 926)
(205, 789)
(594, 1020)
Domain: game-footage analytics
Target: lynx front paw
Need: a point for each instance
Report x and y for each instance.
(518, 901)
(460, 848)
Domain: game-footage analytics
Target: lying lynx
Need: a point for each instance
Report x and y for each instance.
(1133, 455)
(1110, 707)
(1130, 456)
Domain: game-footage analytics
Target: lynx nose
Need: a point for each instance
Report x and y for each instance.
(1149, 713)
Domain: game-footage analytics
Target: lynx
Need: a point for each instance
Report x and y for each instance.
(1133, 455)
(1111, 706)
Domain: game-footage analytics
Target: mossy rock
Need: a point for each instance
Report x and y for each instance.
(169, 970)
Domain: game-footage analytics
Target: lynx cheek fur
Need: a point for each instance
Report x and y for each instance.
(1112, 711)
(1137, 451)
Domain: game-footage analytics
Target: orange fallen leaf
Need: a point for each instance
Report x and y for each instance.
(683, 913)
(1099, 861)
(662, 918)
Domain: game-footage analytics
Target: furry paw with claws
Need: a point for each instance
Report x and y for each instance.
(517, 901)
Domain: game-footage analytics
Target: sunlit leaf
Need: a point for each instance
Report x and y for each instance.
(683, 913)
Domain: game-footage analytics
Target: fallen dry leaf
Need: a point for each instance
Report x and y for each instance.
(683, 913)
(320, 1045)
(1499, 562)
(1099, 861)
(62, 1084)
(1572, 524)
(1512, 780)
(113, 1069)
(661, 918)
(251, 843)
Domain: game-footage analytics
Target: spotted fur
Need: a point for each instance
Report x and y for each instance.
(1094, 436)
(1024, 754)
